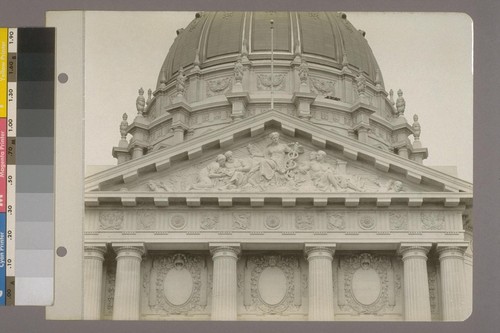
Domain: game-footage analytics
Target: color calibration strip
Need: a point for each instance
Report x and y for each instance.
(11, 166)
(27, 167)
(3, 166)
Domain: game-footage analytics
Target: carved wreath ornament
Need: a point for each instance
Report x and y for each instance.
(361, 269)
(177, 222)
(366, 222)
(267, 270)
(111, 220)
(184, 271)
(432, 220)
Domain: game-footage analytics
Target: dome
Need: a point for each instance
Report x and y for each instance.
(214, 38)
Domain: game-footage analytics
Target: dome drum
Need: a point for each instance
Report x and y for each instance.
(225, 79)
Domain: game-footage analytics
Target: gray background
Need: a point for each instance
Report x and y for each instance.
(485, 14)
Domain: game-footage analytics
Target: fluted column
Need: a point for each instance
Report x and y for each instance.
(416, 281)
(453, 287)
(128, 280)
(224, 289)
(92, 281)
(320, 258)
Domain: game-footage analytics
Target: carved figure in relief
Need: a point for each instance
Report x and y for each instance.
(238, 71)
(208, 176)
(124, 126)
(180, 84)
(394, 186)
(304, 168)
(325, 177)
(279, 160)
(237, 169)
(416, 128)
(400, 103)
(158, 186)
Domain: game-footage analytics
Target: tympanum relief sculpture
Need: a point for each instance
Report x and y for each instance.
(274, 166)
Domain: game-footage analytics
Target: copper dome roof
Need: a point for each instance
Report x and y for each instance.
(214, 38)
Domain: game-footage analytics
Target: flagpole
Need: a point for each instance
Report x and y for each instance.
(272, 64)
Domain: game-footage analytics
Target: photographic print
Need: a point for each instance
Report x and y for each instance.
(302, 166)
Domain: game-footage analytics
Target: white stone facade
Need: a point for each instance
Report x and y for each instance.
(320, 209)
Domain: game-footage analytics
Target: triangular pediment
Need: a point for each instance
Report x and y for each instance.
(289, 164)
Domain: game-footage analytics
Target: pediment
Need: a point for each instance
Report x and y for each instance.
(288, 165)
(259, 164)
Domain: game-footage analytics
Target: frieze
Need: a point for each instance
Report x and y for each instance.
(273, 165)
(264, 81)
(273, 280)
(365, 283)
(241, 221)
(272, 222)
(218, 86)
(304, 221)
(366, 222)
(178, 283)
(432, 220)
(335, 221)
(209, 221)
(177, 222)
(398, 220)
(145, 219)
(323, 87)
(111, 220)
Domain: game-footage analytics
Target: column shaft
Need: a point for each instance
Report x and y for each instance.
(453, 287)
(126, 305)
(92, 296)
(416, 283)
(320, 283)
(137, 152)
(224, 290)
